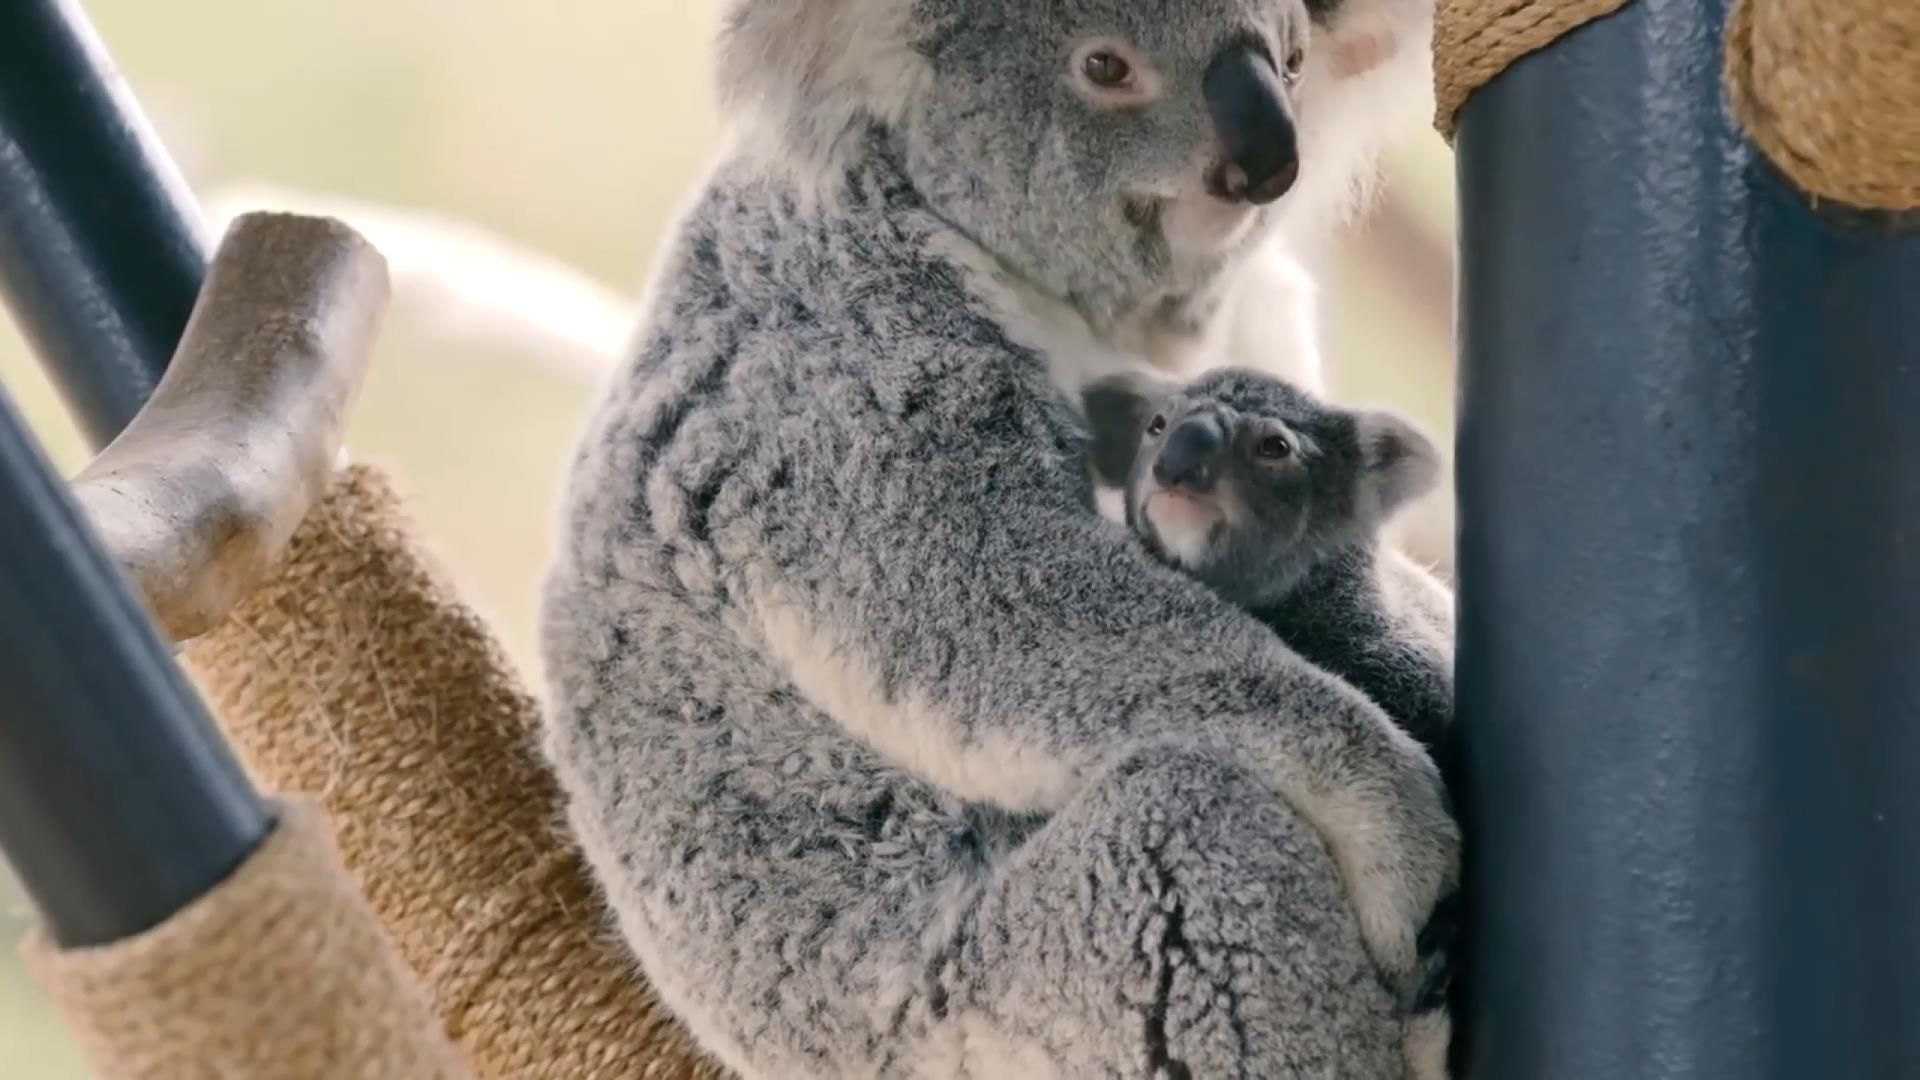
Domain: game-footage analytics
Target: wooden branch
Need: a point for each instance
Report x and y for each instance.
(199, 495)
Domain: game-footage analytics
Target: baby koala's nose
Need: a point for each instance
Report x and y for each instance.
(1188, 456)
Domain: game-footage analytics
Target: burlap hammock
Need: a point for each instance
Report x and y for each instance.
(434, 921)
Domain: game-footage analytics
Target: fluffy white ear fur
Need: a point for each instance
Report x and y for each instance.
(1368, 82)
(799, 78)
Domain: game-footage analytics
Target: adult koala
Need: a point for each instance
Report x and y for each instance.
(893, 757)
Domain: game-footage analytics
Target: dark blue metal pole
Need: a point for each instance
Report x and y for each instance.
(119, 800)
(100, 250)
(1689, 567)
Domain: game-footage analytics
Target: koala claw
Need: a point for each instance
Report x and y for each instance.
(1398, 876)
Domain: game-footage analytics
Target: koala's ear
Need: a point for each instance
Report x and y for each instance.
(1398, 462)
(1117, 409)
(802, 78)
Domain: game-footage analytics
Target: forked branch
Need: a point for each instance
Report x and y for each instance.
(199, 495)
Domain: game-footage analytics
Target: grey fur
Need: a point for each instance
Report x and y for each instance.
(1301, 549)
(894, 758)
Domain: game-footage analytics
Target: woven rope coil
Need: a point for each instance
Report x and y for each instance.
(1475, 40)
(357, 675)
(280, 973)
(1830, 93)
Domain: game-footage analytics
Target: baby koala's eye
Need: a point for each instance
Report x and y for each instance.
(1106, 69)
(1156, 425)
(1273, 448)
(1295, 60)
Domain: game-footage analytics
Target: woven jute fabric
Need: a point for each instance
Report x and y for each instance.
(281, 972)
(357, 675)
(1475, 40)
(1830, 93)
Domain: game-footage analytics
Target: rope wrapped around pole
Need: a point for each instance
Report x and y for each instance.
(1830, 93)
(1475, 40)
(356, 675)
(279, 973)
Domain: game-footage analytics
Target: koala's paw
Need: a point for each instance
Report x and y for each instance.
(1429, 1037)
(1398, 849)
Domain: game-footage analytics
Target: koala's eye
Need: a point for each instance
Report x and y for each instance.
(1295, 60)
(1273, 448)
(1106, 69)
(1110, 73)
(1157, 425)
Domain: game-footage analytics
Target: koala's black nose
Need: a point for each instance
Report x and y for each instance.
(1254, 124)
(1188, 457)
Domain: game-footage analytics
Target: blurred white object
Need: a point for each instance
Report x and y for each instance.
(461, 281)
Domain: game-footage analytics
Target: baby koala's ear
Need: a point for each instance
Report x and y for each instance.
(1117, 408)
(1398, 462)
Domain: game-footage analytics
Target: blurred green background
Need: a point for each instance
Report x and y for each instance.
(517, 163)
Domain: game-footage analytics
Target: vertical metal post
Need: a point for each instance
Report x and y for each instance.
(1689, 566)
(119, 800)
(101, 252)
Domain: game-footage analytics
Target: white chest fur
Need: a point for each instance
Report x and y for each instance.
(1268, 322)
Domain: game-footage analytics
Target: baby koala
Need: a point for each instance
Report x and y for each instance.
(1276, 500)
